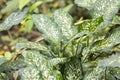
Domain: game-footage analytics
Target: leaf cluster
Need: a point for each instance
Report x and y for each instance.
(86, 51)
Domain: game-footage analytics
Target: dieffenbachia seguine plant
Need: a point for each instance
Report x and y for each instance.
(88, 51)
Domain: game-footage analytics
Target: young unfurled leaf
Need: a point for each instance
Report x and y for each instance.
(28, 26)
(35, 5)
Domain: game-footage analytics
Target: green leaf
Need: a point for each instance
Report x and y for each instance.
(48, 27)
(112, 61)
(66, 24)
(68, 8)
(22, 3)
(85, 3)
(8, 55)
(11, 6)
(96, 74)
(35, 5)
(13, 19)
(42, 64)
(12, 65)
(28, 26)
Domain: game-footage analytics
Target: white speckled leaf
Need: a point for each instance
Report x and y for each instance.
(112, 39)
(85, 3)
(105, 8)
(13, 19)
(56, 61)
(30, 73)
(112, 61)
(45, 68)
(48, 27)
(65, 22)
(96, 74)
(31, 45)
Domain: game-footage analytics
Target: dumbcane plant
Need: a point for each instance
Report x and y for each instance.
(86, 51)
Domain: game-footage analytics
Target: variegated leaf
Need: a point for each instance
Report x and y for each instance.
(13, 19)
(112, 61)
(42, 64)
(48, 27)
(65, 22)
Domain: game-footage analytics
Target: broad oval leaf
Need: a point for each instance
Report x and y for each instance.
(13, 19)
(30, 73)
(85, 3)
(42, 64)
(48, 27)
(112, 61)
(65, 22)
(105, 8)
(35, 46)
